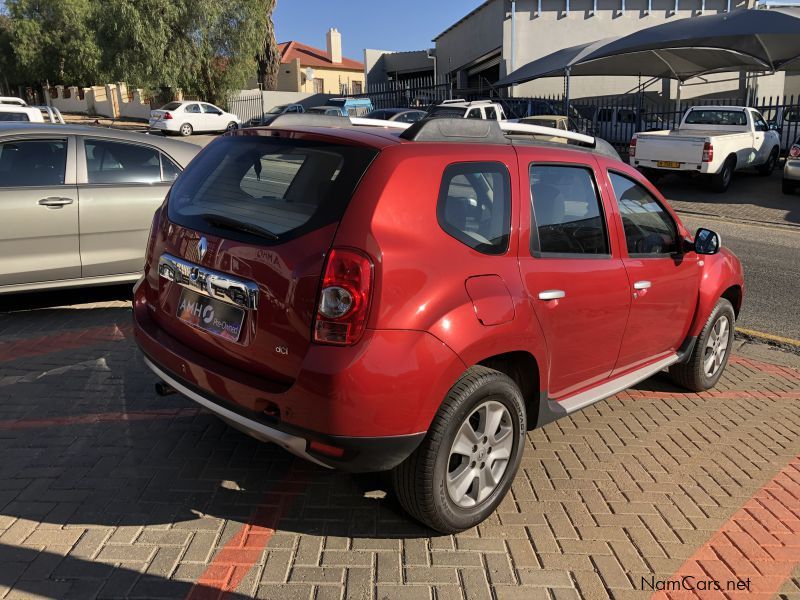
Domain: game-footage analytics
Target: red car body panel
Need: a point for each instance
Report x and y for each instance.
(437, 306)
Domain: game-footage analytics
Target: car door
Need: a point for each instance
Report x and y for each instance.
(761, 137)
(194, 116)
(120, 185)
(38, 210)
(571, 268)
(213, 117)
(663, 281)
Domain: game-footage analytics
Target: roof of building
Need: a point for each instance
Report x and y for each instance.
(464, 18)
(314, 57)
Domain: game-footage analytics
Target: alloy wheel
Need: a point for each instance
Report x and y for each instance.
(480, 454)
(716, 346)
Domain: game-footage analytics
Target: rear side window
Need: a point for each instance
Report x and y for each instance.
(31, 163)
(474, 205)
(566, 212)
(285, 187)
(13, 116)
(649, 229)
(117, 162)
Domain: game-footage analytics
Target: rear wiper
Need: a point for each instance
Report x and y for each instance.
(235, 225)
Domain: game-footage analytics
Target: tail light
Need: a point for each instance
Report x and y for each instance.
(167, 116)
(794, 152)
(708, 152)
(632, 148)
(344, 299)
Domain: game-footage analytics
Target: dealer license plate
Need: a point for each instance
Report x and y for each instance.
(213, 316)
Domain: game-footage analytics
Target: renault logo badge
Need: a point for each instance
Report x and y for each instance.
(202, 248)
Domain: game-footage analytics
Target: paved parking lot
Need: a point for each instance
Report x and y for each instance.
(107, 490)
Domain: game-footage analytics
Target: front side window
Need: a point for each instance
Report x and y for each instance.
(271, 188)
(760, 123)
(118, 162)
(31, 163)
(474, 205)
(566, 212)
(211, 109)
(649, 228)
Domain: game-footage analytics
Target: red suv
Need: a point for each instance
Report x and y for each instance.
(415, 302)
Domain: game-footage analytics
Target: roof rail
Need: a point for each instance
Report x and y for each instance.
(525, 128)
(379, 123)
(452, 101)
(310, 119)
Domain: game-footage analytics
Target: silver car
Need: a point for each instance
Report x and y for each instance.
(791, 170)
(76, 203)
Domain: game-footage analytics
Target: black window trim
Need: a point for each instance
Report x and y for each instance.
(493, 166)
(83, 165)
(533, 242)
(651, 255)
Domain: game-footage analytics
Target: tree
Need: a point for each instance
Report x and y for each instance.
(269, 58)
(54, 40)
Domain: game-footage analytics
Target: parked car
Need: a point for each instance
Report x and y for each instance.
(463, 109)
(617, 124)
(786, 121)
(331, 111)
(187, 117)
(21, 114)
(300, 284)
(711, 140)
(76, 202)
(791, 170)
(351, 107)
(402, 115)
(13, 100)
(272, 113)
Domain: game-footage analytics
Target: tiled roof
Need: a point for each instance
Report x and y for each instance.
(314, 57)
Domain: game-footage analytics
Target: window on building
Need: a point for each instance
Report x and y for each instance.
(358, 88)
(319, 85)
(474, 205)
(566, 212)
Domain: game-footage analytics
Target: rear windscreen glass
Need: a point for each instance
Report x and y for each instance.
(284, 187)
(12, 116)
(716, 117)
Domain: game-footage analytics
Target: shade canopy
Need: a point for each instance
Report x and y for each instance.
(743, 40)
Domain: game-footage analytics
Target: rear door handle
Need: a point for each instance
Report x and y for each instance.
(55, 202)
(552, 294)
(642, 285)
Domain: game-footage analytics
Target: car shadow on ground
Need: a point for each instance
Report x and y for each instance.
(747, 188)
(83, 297)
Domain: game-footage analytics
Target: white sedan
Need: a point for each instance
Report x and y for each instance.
(188, 117)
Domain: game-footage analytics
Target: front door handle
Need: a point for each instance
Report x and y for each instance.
(55, 202)
(642, 285)
(552, 294)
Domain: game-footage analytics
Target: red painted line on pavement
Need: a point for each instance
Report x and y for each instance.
(88, 419)
(758, 365)
(63, 340)
(235, 559)
(760, 542)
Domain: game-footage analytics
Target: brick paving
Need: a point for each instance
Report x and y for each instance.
(109, 491)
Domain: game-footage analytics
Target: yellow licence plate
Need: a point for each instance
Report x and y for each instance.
(668, 164)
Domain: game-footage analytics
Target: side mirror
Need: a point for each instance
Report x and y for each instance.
(706, 241)
(774, 127)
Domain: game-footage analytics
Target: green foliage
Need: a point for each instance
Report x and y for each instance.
(205, 47)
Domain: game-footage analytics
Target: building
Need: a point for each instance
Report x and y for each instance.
(315, 71)
(382, 66)
(500, 36)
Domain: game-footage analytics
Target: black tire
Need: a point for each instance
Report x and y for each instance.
(232, 126)
(722, 180)
(186, 130)
(768, 167)
(420, 482)
(692, 374)
(788, 186)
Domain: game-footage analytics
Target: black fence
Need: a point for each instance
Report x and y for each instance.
(246, 105)
(422, 92)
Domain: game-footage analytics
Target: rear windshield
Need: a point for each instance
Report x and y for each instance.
(283, 187)
(12, 116)
(171, 106)
(716, 117)
(447, 111)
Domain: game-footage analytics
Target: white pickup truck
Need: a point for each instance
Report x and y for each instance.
(711, 140)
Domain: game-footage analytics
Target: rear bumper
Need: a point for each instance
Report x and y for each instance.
(791, 170)
(359, 454)
(684, 167)
(374, 400)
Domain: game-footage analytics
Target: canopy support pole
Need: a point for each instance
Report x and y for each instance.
(678, 103)
(566, 91)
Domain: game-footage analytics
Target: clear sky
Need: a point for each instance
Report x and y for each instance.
(404, 25)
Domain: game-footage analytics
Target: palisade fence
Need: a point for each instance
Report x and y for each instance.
(246, 105)
(422, 93)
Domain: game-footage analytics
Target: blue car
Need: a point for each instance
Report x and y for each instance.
(351, 107)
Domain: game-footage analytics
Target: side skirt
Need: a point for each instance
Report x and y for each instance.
(552, 410)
